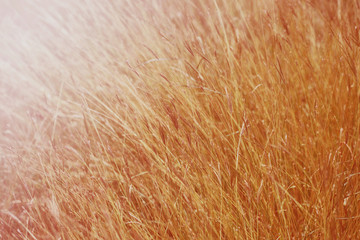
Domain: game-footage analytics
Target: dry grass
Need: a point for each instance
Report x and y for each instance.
(195, 119)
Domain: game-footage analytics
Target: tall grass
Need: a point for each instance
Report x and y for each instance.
(195, 119)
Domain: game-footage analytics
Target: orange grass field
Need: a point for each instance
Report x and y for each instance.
(193, 119)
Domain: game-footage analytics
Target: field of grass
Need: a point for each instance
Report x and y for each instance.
(194, 119)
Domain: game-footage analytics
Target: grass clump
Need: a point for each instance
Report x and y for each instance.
(180, 120)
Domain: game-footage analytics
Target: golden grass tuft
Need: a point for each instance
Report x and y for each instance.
(195, 119)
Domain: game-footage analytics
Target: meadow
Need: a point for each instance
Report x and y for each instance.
(194, 119)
